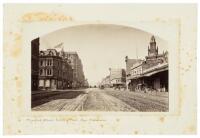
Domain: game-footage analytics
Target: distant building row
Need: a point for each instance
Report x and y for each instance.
(116, 79)
(142, 75)
(56, 70)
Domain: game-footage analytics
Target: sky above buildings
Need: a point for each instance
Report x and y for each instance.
(102, 46)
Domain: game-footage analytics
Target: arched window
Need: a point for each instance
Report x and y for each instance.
(41, 71)
(50, 62)
(41, 62)
(49, 71)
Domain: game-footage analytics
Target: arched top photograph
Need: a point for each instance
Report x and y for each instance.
(99, 68)
(109, 62)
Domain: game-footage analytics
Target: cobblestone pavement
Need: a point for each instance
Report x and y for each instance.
(95, 99)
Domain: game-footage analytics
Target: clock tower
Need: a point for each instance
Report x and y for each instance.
(152, 49)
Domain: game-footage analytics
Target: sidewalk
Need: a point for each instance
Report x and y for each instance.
(47, 91)
(141, 92)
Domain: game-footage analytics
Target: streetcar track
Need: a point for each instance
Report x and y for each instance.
(99, 100)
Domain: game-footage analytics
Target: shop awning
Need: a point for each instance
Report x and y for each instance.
(135, 77)
(150, 71)
(154, 72)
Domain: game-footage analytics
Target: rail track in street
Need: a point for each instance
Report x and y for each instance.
(99, 100)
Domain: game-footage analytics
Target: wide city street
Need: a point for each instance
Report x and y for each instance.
(95, 99)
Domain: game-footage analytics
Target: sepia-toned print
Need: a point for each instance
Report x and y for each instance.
(99, 67)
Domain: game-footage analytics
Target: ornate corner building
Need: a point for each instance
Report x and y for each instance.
(52, 70)
(149, 74)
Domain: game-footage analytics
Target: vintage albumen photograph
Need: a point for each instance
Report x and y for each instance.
(99, 67)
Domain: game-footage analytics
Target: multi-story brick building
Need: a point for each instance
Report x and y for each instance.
(34, 63)
(77, 67)
(54, 70)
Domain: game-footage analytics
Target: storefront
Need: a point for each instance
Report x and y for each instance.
(153, 79)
